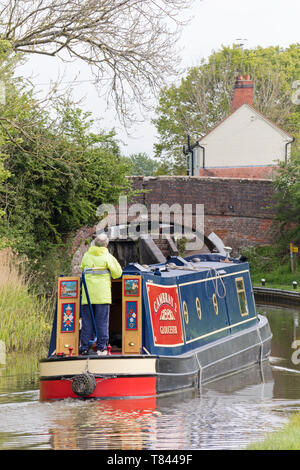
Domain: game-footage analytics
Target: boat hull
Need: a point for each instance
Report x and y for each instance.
(141, 376)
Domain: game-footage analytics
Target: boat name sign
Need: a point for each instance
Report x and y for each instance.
(165, 315)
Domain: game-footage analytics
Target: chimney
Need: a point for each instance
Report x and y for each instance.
(242, 92)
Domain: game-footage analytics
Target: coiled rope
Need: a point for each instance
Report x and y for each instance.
(213, 273)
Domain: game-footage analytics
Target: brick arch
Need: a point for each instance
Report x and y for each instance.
(238, 210)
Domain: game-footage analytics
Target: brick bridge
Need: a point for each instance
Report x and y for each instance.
(238, 211)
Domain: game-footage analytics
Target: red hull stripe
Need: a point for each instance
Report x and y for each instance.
(108, 388)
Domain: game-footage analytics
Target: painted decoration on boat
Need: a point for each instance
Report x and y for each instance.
(131, 315)
(165, 315)
(132, 287)
(68, 318)
(68, 289)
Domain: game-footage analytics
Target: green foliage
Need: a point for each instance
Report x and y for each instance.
(273, 264)
(142, 164)
(181, 245)
(6, 68)
(164, 169)
(25, 320)
(55, 170)
(203, 97)
(287, 200)
(286, 438)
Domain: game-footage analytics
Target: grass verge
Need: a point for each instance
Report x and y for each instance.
(270, 263)
(25, 319)
(287, 438)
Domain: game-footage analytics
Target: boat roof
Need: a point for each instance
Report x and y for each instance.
(178, 266)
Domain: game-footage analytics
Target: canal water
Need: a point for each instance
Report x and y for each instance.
(225, 414)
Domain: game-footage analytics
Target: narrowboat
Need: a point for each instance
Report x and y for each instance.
(173, 327)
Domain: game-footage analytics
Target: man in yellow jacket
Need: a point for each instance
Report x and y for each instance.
(98, 284)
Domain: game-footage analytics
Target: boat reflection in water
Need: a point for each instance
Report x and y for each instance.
(177, 421)
(180, 324)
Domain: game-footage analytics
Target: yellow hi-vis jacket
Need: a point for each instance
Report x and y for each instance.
(99, 285)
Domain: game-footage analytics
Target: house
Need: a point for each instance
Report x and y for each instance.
(245, 144)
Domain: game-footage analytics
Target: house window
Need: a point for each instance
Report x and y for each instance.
(241, 293)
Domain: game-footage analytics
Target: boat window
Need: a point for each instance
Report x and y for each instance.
(241, 293)
(215, 302)
(198, 308)
(185, 312)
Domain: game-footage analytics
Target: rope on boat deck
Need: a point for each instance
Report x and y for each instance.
(218, 278)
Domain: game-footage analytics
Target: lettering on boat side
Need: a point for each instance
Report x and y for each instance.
(165, 315)
(163, 298)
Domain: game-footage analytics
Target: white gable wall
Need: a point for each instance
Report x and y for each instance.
(245, 138)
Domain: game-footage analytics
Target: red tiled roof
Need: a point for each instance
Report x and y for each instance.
(259, 172)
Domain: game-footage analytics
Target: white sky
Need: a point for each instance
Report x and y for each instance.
(214, 23)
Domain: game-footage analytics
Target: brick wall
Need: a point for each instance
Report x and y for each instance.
(238, 210)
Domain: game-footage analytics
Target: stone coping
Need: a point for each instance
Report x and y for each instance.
(278, 296)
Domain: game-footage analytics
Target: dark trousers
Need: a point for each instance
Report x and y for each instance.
(87, 335)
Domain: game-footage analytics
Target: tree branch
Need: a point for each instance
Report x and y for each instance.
(126, 42)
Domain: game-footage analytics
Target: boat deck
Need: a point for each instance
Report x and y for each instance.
(171, 269)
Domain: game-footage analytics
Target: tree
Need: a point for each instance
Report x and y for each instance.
(128, 43)
(203, 97)
(287, 200)
(57, 181)
(6, 72)
(142, 164)
(56, 172)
